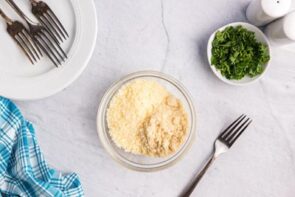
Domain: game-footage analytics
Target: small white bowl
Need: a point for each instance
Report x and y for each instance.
(246, 80)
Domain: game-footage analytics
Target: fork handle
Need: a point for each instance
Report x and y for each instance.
(18, 10)
(6, 18)
(189, 190)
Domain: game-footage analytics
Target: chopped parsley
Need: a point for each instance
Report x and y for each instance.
(236, 53)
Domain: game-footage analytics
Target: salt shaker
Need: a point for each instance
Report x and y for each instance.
(262, 12)
(282, 31)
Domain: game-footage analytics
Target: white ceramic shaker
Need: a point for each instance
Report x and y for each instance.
(262, 12)
(282, 31)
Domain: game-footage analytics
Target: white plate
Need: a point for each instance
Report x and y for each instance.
(21, 80)
(246, 80)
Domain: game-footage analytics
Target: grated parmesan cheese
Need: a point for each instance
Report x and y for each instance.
(144, 118)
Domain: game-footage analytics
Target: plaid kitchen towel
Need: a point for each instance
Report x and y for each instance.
(23, 171)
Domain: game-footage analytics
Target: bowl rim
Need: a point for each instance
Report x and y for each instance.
(103, 134)
(217, 72)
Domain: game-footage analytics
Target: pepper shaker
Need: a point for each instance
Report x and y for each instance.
(282, 31)
(262, 12)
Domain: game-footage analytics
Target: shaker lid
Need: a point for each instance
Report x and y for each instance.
(276, 8)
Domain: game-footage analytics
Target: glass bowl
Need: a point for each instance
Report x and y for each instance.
(139, 162)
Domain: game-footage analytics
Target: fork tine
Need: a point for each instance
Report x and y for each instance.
(25, 45)
(235, 130)
(30, 44)
(51, 34)
(239, 132)
(58, 25)
(56, 44)
(232, 130)
(47, 50)
(53, 46)
(52, 15)
(55, 24)
(24, 50)
(49, 26)
(34, 44)
(227, 130)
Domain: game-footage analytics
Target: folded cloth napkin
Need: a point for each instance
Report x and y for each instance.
(23, 171)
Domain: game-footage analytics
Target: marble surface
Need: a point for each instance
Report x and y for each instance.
(171, 36)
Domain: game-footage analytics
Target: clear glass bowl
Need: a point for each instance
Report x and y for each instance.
(139, 162)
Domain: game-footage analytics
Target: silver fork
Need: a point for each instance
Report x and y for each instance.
(222, 144)
(22, 37)
(44, 38)
(48, 18)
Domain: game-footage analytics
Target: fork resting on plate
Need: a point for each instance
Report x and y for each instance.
(47, 17)
(44, 38)
(22, 37)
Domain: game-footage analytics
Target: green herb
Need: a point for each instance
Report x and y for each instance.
(236, 53)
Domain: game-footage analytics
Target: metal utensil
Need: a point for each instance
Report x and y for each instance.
(44, 38)
(222, 144)
(22, 37)
(48, 18)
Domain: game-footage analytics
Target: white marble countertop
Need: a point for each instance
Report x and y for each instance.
(171, 36)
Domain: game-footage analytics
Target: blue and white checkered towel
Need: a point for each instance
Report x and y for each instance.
(23, 171)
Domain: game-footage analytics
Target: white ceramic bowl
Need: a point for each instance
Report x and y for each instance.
(246, 80)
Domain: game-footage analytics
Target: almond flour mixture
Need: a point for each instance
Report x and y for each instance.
(144, 118)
